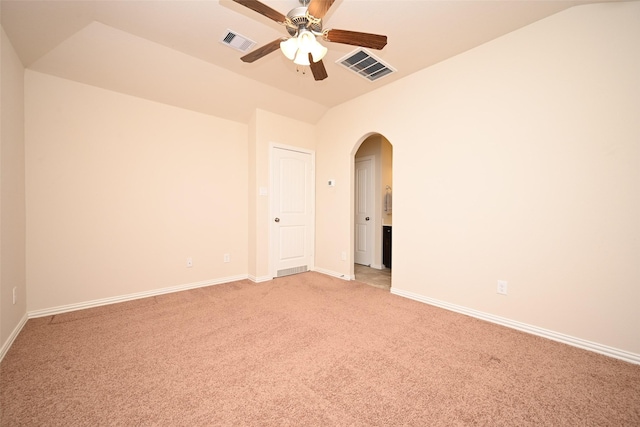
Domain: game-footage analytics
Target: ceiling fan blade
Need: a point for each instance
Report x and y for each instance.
(319, 8)
(262, 51)
(373, 41)
(263, 9)
(317, 69)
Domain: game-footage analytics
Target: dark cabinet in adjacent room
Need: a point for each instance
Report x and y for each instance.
(386, 245)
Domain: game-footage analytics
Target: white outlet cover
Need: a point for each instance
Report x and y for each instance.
(502, 287)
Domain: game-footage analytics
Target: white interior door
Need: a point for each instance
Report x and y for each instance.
(292, 216)
(364, 214)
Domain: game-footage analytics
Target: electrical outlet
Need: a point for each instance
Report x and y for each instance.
(189, 262)
(343, 256)
(15, 294)
(227, 258)
(502, 287)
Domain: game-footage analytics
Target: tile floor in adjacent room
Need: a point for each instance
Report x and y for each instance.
(373, 276)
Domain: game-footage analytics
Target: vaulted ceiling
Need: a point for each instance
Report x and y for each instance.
(171, 51)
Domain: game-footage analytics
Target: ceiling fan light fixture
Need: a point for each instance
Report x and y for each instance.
(306, 40)
(318, 51)
(289, 47)
(302, 58)
(309, 44)
(298, 48)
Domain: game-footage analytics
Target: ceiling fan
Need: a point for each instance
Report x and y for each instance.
(304, 25)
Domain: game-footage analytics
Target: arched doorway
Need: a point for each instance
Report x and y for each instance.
(373, 210)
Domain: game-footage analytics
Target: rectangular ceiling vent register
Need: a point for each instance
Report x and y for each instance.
(238, 42)
(365, 65)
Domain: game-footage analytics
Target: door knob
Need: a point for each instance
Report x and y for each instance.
(277, 220)
(366, 219)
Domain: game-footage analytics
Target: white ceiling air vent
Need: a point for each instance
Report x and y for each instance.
(238, 42)
(366, 65)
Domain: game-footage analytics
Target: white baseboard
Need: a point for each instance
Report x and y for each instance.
(333, 273)
(14, 334)
(129, 297)
(261, 279)
(545, 333)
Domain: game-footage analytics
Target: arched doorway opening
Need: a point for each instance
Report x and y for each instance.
(373, 210)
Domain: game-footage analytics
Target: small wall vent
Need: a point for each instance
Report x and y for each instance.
(293, 270)
(236, 41)
(365, 65)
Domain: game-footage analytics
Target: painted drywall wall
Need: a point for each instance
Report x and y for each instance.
(121, 191)
(12, 195)
(518, 160)
(267, 129)
(253, 201)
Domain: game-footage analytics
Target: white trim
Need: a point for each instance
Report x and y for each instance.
(545, 333)
(261, 279)
(14, 334)
(129, 297)
(334, 274)
(292, 148)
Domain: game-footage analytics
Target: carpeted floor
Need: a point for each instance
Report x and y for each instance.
(303, 350)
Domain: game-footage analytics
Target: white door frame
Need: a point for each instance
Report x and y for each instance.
(273, 209)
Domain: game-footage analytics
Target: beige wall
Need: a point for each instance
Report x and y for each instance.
(12, 194)
(519, 161)
(120, 191)
(253, 203)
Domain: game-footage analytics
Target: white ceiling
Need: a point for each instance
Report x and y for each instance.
(170, 51)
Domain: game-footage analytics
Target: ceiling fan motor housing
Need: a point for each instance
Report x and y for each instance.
(297, 18)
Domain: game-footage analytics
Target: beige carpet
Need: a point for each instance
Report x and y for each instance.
(305, 350)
